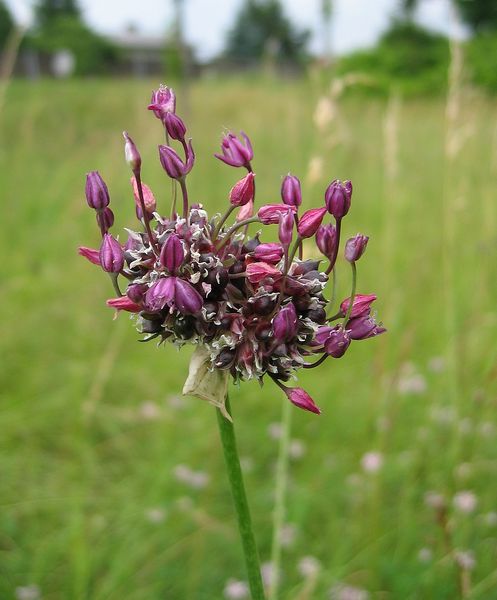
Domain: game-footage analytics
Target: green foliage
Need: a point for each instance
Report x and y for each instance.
(93, 54)
(59, 26)
(478, 14)
(407, 57)
(481, 55)
(6, 24)
(261, 23)
(48, 10)
(83, 460)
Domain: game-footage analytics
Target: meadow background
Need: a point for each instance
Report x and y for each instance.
(112, 486)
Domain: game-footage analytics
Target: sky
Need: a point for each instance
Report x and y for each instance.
(356, 23)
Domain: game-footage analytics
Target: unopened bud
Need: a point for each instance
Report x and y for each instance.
(285, 324)
(337, 197)
(301, 398)
(243, 191)
(355, 247)
(172, 254)
(111, 255)
(174, 126)
(291, 193)
(310, 221)
(97, 194)
(131, 153)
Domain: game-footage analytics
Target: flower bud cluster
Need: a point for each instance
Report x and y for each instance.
(257, 308)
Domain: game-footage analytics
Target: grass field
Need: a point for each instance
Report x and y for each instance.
(113, 487)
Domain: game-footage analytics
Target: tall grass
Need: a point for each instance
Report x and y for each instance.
(112, 487)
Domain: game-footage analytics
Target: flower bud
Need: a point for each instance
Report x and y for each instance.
(124, 303)
(337, 197)
(172, 254)
(136, 291)
(105, 219)
(285, 230)
(172, 163)
(334, 339)
(186, 298)
(148, 197)
(269, 214)
(131, 153)
(285, 324)
(326, 240)
(111, 255)
(174, 126)
(355, 247)
(301, 398)
(225, 358)
(97, 194)
(160, 293)
(360, 306)
(235, 152)
(270, 252)
(258, 271)
(291, 193)
(363, 327)
(310, 221)
(163, 101)
(90, 254)
(243, 191)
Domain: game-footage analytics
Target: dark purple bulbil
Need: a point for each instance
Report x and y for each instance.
(255, 307)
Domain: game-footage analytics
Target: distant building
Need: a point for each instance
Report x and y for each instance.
(140, 55)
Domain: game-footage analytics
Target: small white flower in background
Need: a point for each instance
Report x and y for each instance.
(236, 590)
(149, 411)
(490, 518)
(465, 559)
(463, 471)
(410, 381)
(487, 429)
(297, 449)
(195, 479)
(247, 464)
(465, 501)
(28, 592)
(287, 535)
(309, 566)
(274, 431)
(372, 462)
(155, 515)
(269, 574)
(425, 555)
(436, 364)
(185, 503)
(177, 403)
(383, 424)
(466, 426)
(434, 500)
(443, 415)
(348, 592)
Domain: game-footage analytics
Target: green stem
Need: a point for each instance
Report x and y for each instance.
(352, 293)
(228, 440)
(280, 494)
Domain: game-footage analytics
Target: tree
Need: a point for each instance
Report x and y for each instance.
(46, 11)
(59, 26)
(6, 24)
(478, 14)
(261, 25)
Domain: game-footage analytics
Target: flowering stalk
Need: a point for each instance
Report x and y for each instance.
(228, 440)
(281, 486)
(251, 309)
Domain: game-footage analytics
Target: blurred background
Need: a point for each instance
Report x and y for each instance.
(112, 485)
